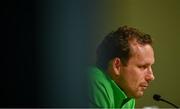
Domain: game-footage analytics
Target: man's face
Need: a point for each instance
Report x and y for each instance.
(134, 78)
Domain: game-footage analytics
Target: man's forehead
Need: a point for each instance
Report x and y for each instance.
(142, 52)
(137, 47)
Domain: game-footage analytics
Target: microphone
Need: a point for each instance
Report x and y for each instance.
(158, 98)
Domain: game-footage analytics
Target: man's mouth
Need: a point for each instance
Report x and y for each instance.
(144, 86)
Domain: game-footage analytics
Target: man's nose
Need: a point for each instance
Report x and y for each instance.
(150, 75)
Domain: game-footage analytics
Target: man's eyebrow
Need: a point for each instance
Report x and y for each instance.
(148, 64)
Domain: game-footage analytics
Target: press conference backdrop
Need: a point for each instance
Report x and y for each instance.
(52, 42)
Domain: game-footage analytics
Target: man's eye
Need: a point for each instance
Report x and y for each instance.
(143, 67)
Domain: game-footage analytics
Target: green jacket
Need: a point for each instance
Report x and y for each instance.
(104, 92)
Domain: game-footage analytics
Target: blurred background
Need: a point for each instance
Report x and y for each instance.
(50, 44)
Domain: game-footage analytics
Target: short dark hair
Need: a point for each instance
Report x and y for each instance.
(116, 44)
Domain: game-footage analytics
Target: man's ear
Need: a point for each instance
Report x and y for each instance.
(116, 64)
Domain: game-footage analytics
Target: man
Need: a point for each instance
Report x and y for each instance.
(123, 70)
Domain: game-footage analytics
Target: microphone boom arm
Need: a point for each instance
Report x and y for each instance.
(169, 103)
(158, 98)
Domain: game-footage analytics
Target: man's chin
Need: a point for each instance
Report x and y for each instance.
(138, 95)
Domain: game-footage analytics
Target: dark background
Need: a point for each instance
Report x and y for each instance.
(45, 53)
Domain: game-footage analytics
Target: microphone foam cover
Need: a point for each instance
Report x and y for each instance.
(156, 97)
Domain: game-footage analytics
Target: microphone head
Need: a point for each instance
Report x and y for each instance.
(156, 97)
